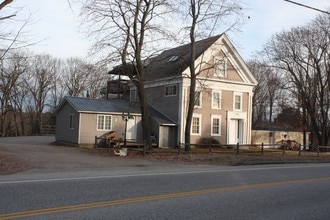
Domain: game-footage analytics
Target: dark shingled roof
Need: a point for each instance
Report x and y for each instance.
(100, 105)
(161, 66)
(170, 62)
(112, 106)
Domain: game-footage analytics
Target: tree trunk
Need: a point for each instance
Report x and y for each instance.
(145, 116)
(143, 104)
(191, 101)
(190, 112)
(22, 122)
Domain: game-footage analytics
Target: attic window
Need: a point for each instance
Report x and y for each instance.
(220, 67)
(173, 58)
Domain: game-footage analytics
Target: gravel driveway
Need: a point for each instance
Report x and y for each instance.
(40, 152)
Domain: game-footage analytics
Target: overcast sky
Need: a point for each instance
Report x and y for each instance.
(58, 26)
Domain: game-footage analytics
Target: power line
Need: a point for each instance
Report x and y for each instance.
(306, 6)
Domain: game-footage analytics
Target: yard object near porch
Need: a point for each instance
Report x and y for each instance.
(106, 138)
(111, 135)
(121, 152)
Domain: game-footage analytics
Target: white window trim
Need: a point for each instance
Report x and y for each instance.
(200, 124)
(97, 123)
(220, 96)
(216, 117)
(176, 90)
(241, 103)
(71, 121)
(200, 99)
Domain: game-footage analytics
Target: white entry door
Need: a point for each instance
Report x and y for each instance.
(236, 131)
(131, 130)
(239, 130)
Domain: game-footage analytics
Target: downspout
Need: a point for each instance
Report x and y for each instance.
(79, 130)
(249, 117)
(182, 101)
(227, 129)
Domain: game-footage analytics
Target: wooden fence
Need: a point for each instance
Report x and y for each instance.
(48, 129)
(261, 149)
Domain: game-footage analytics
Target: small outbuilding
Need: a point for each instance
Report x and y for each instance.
(79, 120)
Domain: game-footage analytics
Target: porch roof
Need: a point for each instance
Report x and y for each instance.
(160, 117)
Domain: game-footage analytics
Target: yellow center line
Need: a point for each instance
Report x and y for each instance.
(46, 211)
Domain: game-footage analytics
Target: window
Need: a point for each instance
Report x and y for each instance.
(237, 101)
(71, 121)
(134, 96)
(196, 125)
(173, 58)
(220, 67)
(216, 100)
(198, 99)
(216, 126)
(104, 122)
(170, 90)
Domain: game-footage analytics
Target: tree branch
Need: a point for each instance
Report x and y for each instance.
(5, 3)
(7, 17)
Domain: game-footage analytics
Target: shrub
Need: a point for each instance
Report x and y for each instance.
(207, 141)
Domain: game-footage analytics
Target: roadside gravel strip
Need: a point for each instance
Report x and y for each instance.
(40, 153)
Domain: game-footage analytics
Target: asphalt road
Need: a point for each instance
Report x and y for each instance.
(214, 192)
(68, 183)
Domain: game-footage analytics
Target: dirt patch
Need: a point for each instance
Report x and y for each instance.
(234, 160)
(21, 157)
(216, 158)
(10, 165)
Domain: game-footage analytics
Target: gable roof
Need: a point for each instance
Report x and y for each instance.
(175, 61)
(98, 105)
(170, 62)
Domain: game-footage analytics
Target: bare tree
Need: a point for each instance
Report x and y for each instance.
(75, 76)
(204, 17)
(11, 70)
(13, 40)
(13, 36)
(303, 54)
(260, 97)
(268, 93)
(58, 90)
(97, 80)
(41, 78)
(19, 105)
(82, 79)
(123, 29)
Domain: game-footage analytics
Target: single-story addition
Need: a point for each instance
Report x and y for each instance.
(79, 120)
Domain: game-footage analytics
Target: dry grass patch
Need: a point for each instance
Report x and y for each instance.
(10, 165)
